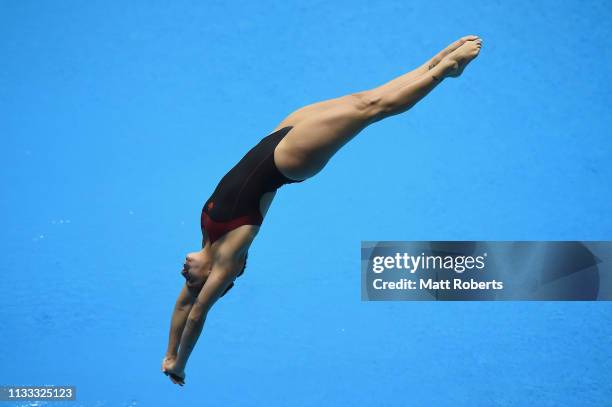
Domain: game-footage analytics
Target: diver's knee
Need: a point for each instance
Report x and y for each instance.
(369, 105)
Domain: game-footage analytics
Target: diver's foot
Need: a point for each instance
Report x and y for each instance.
(177, 376)
(436, 60)
(455, 62)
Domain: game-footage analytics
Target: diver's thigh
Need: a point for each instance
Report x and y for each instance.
(310, 144)
(307, 111)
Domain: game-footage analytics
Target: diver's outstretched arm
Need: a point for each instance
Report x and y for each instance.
(183, 306)
(221, 276)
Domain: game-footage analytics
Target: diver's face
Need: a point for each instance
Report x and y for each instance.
(196, 268)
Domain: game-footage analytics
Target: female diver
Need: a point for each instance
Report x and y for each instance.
(297, 149)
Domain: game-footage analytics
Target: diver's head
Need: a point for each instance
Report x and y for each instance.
(198, 266)
(196, 269)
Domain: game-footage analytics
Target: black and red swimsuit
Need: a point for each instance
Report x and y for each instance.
(235, 200)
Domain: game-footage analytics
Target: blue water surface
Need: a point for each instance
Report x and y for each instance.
(119, 118)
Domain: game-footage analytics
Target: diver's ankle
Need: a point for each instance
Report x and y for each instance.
(444, 69)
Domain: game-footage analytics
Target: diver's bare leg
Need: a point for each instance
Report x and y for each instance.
(315, 138)
(415, 74)
(396, 83)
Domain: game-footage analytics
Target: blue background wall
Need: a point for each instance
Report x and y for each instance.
(118, 118)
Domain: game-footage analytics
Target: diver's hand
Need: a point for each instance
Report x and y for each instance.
(177, 376)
